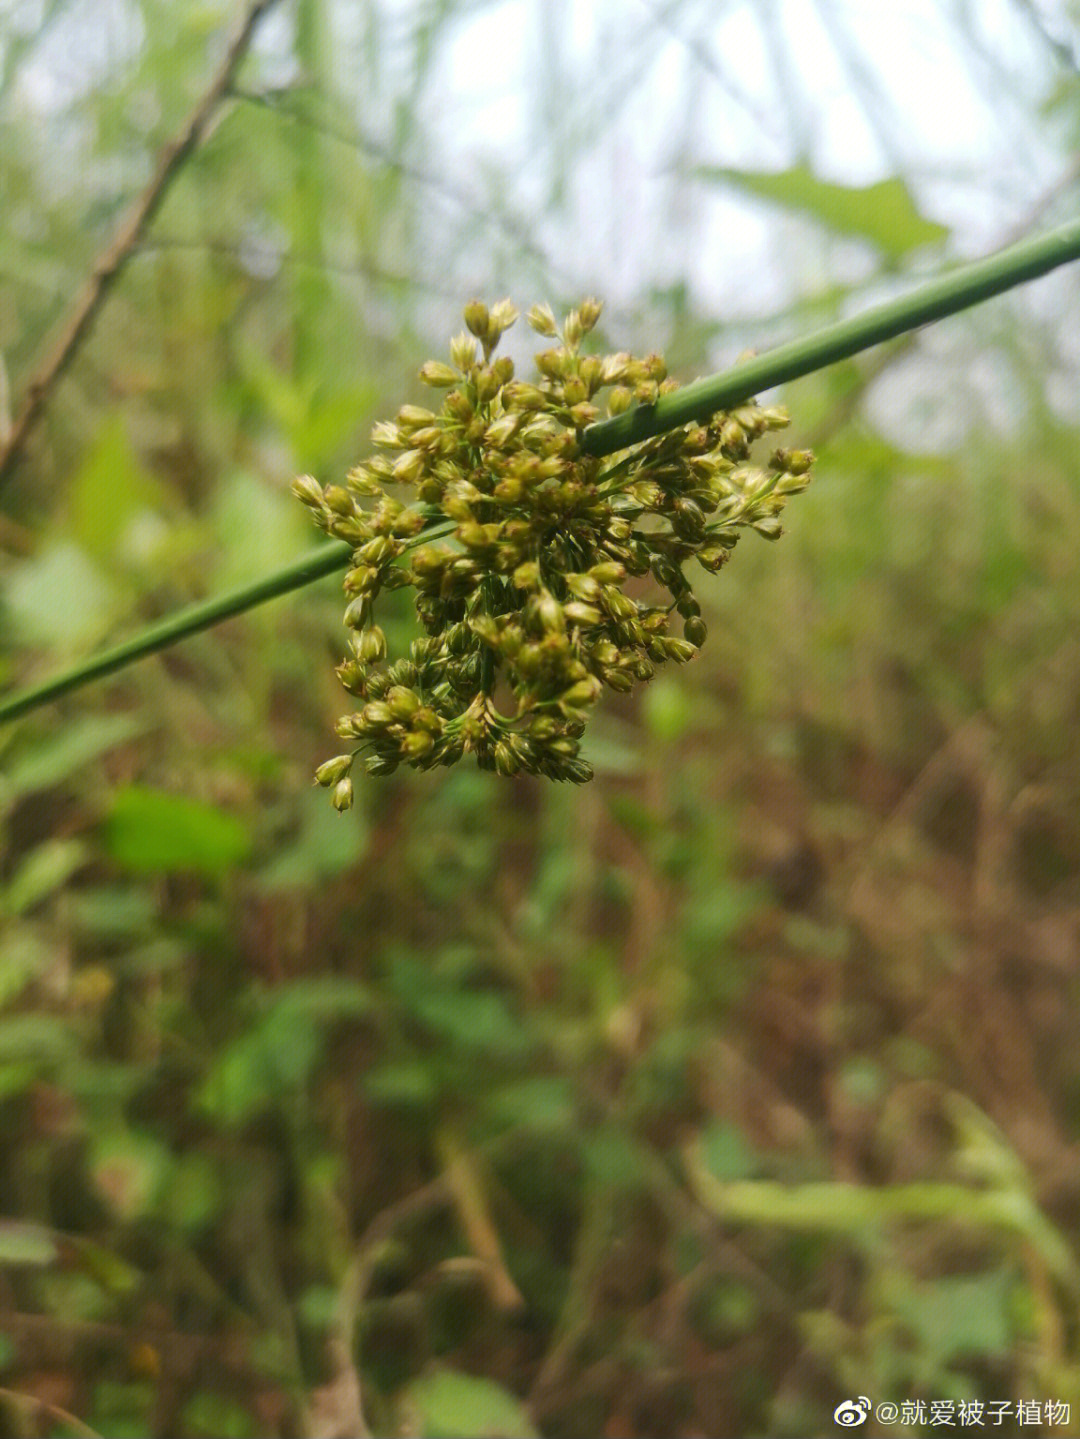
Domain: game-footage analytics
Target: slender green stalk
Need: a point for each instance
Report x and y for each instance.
(957, 290)
(326, 560)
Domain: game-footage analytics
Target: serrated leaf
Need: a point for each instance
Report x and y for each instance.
(884, 213)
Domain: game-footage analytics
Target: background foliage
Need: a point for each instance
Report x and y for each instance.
(742, 1080)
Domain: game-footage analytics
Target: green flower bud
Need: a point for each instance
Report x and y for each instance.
(579, 613)
(380, 764)
(403, 702)
(607, 572)
(377, 714)
(769, 527)
(619, 680)
(506, 762)
(463, 353)
(333, 770)
(476, 317)
(695, 630)
(343, 795)
(408, 467)
(362, 482)
(308, 491)
(433, 372)
(503, 315)
(589, 312)
(358, 612)
(542, 320)
(339, 501)
(372, 645)
(425, 718)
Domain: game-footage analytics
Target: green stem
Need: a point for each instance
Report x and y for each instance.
(326, 560)
(957, 290)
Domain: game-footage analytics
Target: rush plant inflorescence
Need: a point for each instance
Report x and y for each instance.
(542, 573)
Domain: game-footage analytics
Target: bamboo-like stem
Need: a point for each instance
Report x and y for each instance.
(956, 290)
(325, 560)
(959, 289)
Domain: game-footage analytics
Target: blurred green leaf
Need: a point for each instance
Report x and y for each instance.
(961, 1316)
(725, 1152)
(150, 829)
(542, 1103)
(615, 1159)
(62, 600)
(278, 1052)
(44, 870)
(884, 213)
(328, 843)
(215, 1416)
(666, 707)
(26, 955)
(466, 1018)
(258, 527)
(410, 1084)
(26, 1244)
(42, 1039)
(65, 751)
(129, 1169)
(113, 910)
(109, 491)
(446, 1404)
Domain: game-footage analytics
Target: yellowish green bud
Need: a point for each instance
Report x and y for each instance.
(476, 317)
(308, 491)
(463, 352)
(434, 372)
(343, 795)
(542, 320)
(332, 770)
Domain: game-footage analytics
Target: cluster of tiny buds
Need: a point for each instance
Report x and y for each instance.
(528, 556)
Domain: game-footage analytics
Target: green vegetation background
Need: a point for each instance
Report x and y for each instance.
(692, 1102)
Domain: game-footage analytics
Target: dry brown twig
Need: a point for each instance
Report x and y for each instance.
(110, 263)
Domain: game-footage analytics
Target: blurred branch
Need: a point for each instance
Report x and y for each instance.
(31, 1403)
(110, 263)
(961, 288)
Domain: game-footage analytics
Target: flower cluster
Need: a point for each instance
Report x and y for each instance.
(542, 573)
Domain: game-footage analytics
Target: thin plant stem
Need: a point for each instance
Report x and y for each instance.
(325, 560)
(957, 290)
